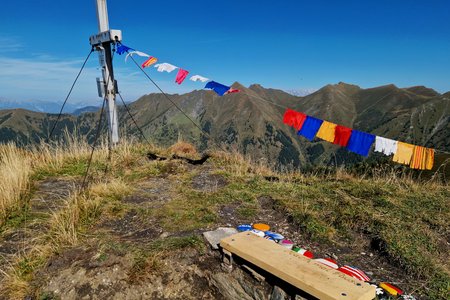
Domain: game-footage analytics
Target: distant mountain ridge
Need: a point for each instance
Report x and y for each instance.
(300, 92)
(251, 120)
(85, 109)
(42, 106)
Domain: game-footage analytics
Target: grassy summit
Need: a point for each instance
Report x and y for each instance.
(144, 215)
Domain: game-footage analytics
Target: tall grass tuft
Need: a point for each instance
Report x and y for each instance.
(15, 170)
(65, 223)
(72, 147)
(241, 165)
(182, 148)
(82, 208)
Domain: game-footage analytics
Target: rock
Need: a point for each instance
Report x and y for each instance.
(214, 237)
(279, 294)
(255, 274)
(232, 286)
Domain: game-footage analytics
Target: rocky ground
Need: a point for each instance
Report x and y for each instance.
(150, 245)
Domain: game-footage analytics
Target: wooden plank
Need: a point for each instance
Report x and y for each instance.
(306, 274)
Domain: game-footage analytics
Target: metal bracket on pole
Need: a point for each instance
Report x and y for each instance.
(102, 42)
(109, 36)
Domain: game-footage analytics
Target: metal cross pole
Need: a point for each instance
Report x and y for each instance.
(102, 43)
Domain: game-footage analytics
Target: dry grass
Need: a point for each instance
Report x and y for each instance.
(50, 157)
(182, 148)
(82, 208)
(15, 283)
(14, 286)
(67, 227)
(350, 201)
(15, 170)
(145, 266)
(64, 223)
(239, 165)
(115, 188)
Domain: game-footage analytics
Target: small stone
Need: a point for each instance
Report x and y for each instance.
(363, 253)
(214, 237)
(164, 235)
(370, 254)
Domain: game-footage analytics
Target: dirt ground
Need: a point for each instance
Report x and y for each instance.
(114, 261)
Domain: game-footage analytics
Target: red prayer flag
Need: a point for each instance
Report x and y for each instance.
(342, 135)
(294, 118)
(288, 117)
(231, 91)
(299, 120)
(181, 75)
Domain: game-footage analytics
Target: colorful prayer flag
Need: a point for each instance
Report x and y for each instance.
(231, 91)
(219, 88)
(199, 78)
(150, 61)
(342, 135)
(310, 127)
(404, 153)
(294, 118)
(137, 53)
(327, 131)
(165, 67)
(385, 145)
(422, 158)
(121, 49)
(181, 75)
(360, 142)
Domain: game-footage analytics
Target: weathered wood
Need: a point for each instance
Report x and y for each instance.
(306, 274)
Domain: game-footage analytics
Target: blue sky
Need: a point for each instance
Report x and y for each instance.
(279, 44)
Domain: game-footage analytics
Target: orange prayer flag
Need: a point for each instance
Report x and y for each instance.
(430, 159)
(150, 61)
(404, 153)
(422, 158)
(327, 131)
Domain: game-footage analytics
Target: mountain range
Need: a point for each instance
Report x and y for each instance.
(251, 121)
(44, 106)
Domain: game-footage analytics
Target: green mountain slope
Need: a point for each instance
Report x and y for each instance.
(251, 121)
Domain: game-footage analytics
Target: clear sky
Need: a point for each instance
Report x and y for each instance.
(279, 44)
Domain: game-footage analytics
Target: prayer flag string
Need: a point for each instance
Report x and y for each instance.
(417, 157)
(219, 88)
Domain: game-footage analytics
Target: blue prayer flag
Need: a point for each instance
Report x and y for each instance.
(220, 89)
(310, 127)
(121, 49)
(360, 142)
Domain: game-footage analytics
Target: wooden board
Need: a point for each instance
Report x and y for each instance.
(306, 274)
